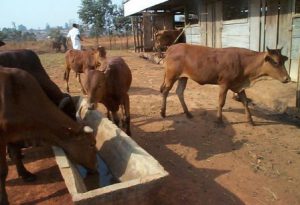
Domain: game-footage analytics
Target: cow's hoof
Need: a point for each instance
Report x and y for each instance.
(28, 177)
(219, 123)
(251, 123)
(162, 114)
(189, 115)
(4, 201)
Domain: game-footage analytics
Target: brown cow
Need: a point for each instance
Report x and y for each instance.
(27, 113)
(231, 68)
(166, 38)
(28, 60)
(110, 86)
(80, 62)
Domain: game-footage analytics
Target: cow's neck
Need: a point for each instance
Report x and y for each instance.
(104, 64)
(62, 130)
(253, 65)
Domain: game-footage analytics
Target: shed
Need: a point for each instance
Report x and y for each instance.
(252, 24)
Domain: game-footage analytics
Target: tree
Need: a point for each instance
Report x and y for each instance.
(94, 13)
(47, 28)
(54, 33)
(122, 24)
(22, 28)
(28, 36)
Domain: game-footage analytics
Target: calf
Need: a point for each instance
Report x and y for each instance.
(109, 86)
(27, 113)
(166, 38)
(230, 68)
(80, 62)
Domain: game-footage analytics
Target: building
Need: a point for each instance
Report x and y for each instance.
(252, 24)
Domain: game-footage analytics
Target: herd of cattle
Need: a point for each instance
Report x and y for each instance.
(32, 106)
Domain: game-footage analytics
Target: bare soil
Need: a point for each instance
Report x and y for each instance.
(208, 164)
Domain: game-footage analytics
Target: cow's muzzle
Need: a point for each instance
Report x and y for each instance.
(92, 106)
(286, 79)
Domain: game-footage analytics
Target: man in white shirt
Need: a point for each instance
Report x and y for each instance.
(74, 34)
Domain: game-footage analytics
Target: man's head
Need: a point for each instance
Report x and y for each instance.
(75, 25)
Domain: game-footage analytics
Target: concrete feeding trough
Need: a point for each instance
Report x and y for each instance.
(138, 174)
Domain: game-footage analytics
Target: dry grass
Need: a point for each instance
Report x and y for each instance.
(111, 43)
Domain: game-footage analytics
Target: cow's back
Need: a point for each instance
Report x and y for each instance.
(118, 80)
(203, 64)
(80, 61)
(119, 72)
(28, 60)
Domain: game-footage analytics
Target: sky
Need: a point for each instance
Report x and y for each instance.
(37, 13)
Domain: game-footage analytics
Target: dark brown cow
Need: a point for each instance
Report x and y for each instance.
(109, 86)
(231, 68)
(166, 38)
(27, 60)
(80, 62)
(27, 113)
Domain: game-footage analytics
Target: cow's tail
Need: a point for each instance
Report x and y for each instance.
(65, 75)
(163, 85)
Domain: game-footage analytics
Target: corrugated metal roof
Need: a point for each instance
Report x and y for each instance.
(134, 6)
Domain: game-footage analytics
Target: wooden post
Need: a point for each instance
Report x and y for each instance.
(255, 24)
(262, 23)
(133, 32)
(218, 24)
(298, 88)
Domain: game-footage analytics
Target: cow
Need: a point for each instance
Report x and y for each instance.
(166, 38)
(58, 42)
(2, 43)
(230, 68)
(109, 85)
(81, 62)
(28, 60)
(27, 113)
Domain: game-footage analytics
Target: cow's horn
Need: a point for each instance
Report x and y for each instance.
(64, 102)
(88, 129)
(268, 49)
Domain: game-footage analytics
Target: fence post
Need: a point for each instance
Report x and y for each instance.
(298, 88)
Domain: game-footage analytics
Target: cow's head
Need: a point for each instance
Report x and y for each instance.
(274, 65)
(100, 58)
(2, 43)
(95, 85)
(80, 148)
(67, 106)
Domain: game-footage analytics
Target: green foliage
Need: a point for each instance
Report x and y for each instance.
(94, 13)
(54, 33)
(122, 25)
(12, 34)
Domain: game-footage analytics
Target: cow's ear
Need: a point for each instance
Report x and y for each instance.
(284, 58)
(102, 51)
(267, 58)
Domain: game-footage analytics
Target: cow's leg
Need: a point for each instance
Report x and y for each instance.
(127, 114)
(108, 114)
(179, 91)
(16, 154)
(115, 117)
(66, 78)
(165, 89)
(3, 173)
(244, 99)
(222, 99)
(82, 87)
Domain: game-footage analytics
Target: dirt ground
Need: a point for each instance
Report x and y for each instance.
(234, 164)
